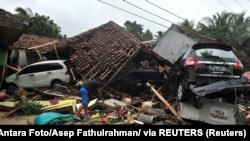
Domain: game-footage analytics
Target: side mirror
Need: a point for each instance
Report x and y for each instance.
(17, 76)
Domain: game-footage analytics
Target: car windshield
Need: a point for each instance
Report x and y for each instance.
(214, 53)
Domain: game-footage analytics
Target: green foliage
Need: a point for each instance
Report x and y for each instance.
(209, 54)
(30, 107)
(137, 30)
(225, 27)
(188, 25)
(230, 28)
(39, 24)
(206, 54)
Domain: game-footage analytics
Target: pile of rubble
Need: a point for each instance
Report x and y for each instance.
(119, 110)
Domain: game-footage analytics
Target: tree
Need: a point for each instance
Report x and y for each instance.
(240, 30)
(148, 35)
(159, 35)
(137, 30)
(216, 27)
(39, 24)
(188, 25)
(229, 28)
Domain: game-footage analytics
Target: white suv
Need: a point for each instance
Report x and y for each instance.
(40, 74)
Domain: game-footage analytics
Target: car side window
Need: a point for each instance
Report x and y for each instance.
(30, 69)
(56, 66)
(43, 67)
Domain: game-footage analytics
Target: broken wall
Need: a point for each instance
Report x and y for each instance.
(177, 40)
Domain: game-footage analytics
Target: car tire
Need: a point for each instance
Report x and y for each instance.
(182, 93)
(54, 83)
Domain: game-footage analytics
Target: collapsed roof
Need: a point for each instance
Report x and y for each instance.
(10, 28)
(26, 41)
(101, 51)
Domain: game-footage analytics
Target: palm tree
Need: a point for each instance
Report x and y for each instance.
(216, 27)
(38, 24)
(134, 28)
(240, 30)
(229, 28)
(148, 35)
(188, 25)
(24, 13)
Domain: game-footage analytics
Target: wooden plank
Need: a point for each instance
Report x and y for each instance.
(11, 67)
(8, 104)
(166, 103)
(44, 45)
(39, 54)
(54, 45)
(48, 92)
(59, 105)
(72, 73)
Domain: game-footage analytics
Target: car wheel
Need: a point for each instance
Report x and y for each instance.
(182, 93)
(55, 83)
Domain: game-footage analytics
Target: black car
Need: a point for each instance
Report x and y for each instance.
(134, 82)
(203, 64)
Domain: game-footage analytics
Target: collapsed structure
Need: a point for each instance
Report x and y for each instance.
(108, 51)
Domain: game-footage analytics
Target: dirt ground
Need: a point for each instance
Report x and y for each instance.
(16, 119)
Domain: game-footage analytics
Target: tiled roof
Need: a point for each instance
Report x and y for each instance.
(28, 40)
(10, 27)
(34, 44)
(101, 51)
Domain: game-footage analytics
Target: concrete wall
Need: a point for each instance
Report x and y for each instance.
(175, 41)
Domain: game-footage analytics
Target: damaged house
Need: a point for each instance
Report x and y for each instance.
(10, 30)
(30, 49)
(107, 51)
(104, 52)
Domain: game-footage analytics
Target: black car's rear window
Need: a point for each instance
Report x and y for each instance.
(212, 53)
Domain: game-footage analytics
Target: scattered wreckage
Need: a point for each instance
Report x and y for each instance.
(113, 61)
(119, 108)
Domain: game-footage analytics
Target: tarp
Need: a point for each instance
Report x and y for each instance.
(53, 118)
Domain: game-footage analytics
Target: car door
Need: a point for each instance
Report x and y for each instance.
(26, 78)
(43, 75)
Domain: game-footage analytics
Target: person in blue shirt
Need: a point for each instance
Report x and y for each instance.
(88, 88)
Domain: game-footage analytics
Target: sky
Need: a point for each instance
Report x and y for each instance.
(78, 16)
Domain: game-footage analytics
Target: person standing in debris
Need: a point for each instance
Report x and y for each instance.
(87, 89)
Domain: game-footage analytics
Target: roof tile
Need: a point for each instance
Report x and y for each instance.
(101, 51)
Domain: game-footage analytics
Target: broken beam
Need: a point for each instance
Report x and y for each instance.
(165, 102)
